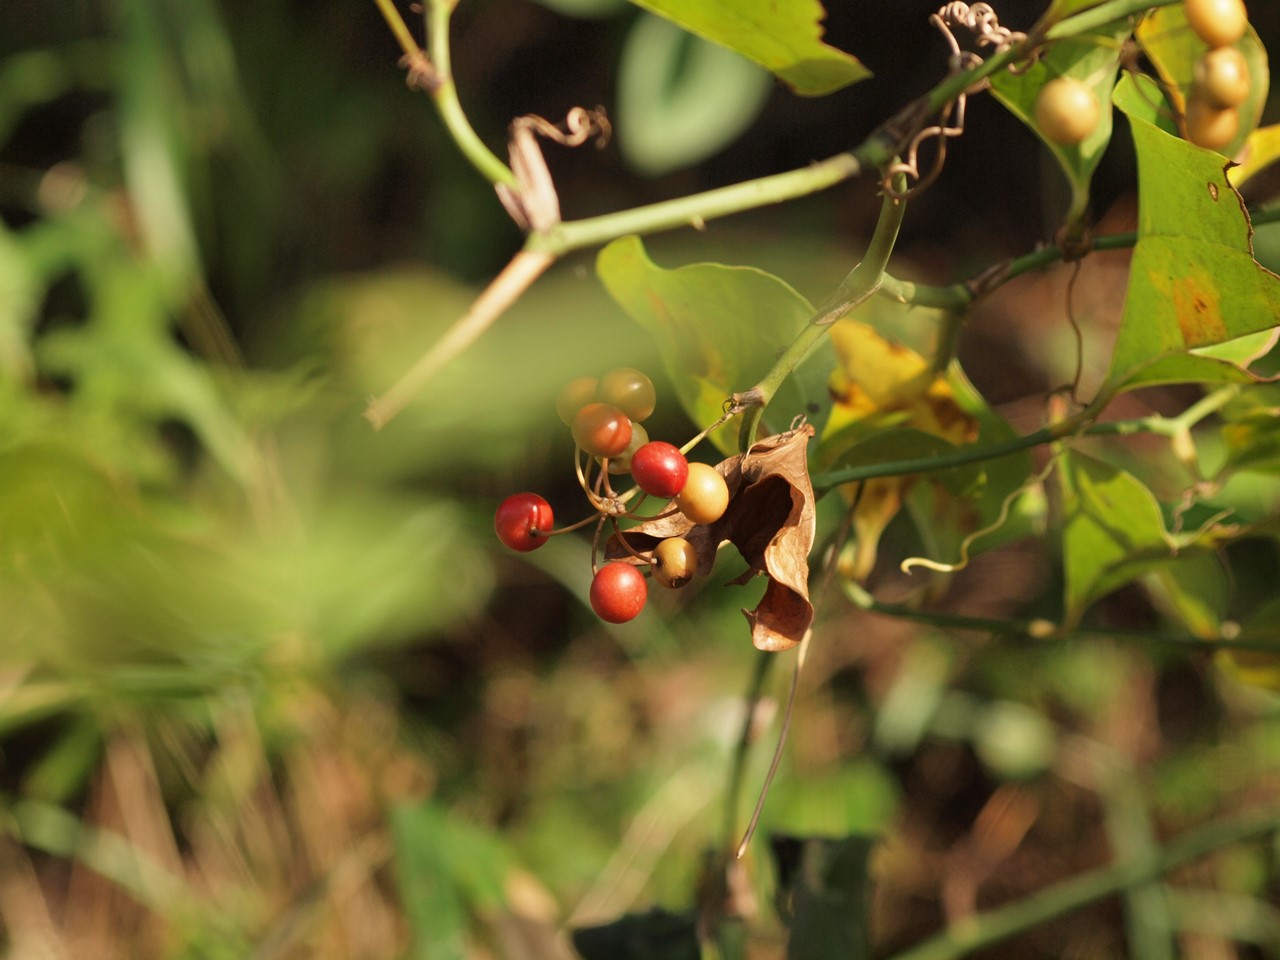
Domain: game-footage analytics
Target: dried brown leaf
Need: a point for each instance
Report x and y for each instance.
(770, 519)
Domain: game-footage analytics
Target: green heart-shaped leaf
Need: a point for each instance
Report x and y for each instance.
(783, 36)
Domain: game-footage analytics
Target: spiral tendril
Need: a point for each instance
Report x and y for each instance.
(981, 22)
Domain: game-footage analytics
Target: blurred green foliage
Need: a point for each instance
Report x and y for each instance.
(266, 687)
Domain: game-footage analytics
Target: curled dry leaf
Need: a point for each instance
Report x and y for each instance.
(534, 203)
(770, 519)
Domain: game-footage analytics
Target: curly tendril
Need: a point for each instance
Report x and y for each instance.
(981, 22)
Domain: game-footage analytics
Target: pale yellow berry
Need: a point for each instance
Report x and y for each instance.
(1066, 111)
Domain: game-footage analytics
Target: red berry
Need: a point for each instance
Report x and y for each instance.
(660, 469)
(523, 521)
(602, 430)
(618, 592)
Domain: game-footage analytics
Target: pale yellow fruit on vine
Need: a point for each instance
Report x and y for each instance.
(1219, 23)
(1066, 111)
(1222, 78)
(1209, 126)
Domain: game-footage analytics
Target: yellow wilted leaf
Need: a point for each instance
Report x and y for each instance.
(879, 384)
(1254, 668)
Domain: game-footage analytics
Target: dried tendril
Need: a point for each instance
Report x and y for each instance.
(981, 22)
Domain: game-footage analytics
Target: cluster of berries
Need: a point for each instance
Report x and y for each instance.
(1221, 74)
(1067, 111)
(605, 416)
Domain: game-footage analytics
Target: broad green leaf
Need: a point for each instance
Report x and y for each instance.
(1226, 362)
(680, 98)
(783, 36)
(1251, 433)
(1193, 590)
(1109, 521)
(1173, 49)
(1193, 280)
(718, 330)
(1141, 98)
(1061, 9)
(824, 893)
(1093, 59)
(656, 935)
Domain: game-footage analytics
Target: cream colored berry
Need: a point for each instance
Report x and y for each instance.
(1222, 78)
(1066, 111)
(1209, 126)
(1219, 23)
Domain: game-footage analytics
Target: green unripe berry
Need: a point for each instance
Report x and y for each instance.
(622, 462)
(575, 395)
(629, 390)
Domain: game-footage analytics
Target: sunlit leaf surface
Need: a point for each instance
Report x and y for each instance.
(783, 36)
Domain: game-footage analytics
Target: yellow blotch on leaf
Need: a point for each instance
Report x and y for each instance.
(879, 385)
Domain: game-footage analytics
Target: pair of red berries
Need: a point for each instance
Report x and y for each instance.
(604, 416)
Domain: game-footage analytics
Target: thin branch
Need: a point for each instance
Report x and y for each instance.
(738, 768)
(505, 289)
(1080, 424)
(1043, 630)
(993, 926)
(696, 209)
(1100, 16)
(446, 100)
(434, 73)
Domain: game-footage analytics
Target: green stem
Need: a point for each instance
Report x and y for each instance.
(859, 286)
(1081, 424)
(1100, 16)
(958, 296)
(737, 770)
(445, 96)
(1044, 630)
(873, 153)
(1206, 406)
(964, 455)
(696, 209)
(992, 926)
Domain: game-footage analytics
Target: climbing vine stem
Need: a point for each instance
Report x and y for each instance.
(858, 287)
